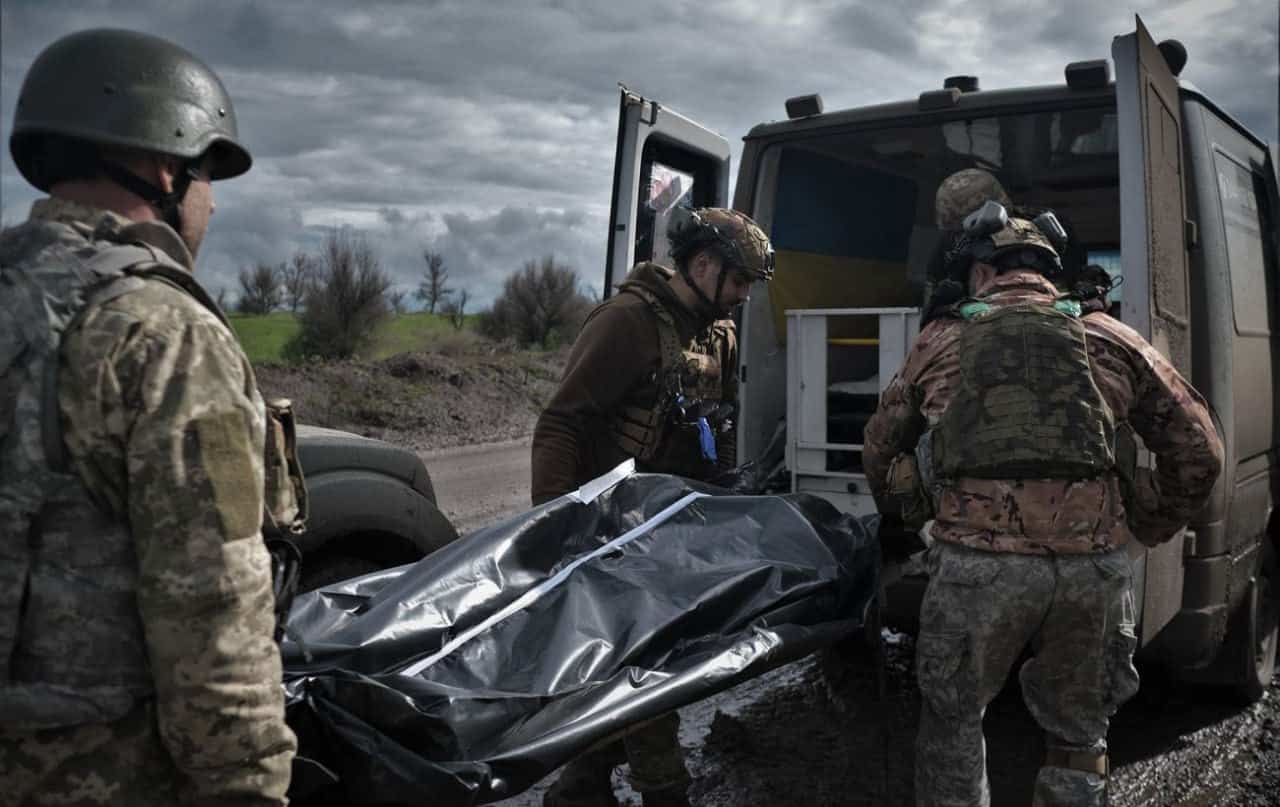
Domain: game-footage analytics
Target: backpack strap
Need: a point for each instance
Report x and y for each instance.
(669, 348)
(140, 260)
(639, 430)
(122, 269)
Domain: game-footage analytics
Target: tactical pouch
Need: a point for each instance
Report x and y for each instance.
(285, 500)
(906, 493)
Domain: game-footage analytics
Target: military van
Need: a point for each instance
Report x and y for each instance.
(1160, 186)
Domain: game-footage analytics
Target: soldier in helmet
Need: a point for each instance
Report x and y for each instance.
(959, 194)
(1004, 426)
(137, 662)
(652, 377)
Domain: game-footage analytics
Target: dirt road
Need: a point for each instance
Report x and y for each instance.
(479, 484)
(817, 732)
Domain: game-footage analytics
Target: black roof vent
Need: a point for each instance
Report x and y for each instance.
(961, 83)
(1091, 75)
(804, 106)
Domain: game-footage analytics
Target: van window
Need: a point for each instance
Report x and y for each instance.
(1246, 219)
(670, 177)
(853, 211)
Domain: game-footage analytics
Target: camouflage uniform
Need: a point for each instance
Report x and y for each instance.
(164, 431)
(1039, 562)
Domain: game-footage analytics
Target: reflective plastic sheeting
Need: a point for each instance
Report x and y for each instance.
(468, 676)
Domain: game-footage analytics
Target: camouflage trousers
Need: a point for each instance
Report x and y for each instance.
(97, 764)
(980, 611)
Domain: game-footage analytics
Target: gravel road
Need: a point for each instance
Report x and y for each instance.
(477, 485)
(817, 732)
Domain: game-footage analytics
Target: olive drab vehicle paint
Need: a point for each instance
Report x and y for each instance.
(1155, 183)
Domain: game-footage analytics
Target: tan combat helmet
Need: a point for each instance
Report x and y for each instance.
(740, 242)
(964, 192)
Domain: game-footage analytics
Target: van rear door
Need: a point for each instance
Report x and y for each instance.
(663, 161)
(1153, 257)
(1152, 204)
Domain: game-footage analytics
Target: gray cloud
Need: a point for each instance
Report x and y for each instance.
(486, 130)
(481, 251)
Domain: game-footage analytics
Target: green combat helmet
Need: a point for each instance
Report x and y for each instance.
(123, 88)
(964, 192)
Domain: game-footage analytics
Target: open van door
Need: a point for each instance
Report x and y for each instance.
(1153, 219)
(1153, 259)
(664, 160)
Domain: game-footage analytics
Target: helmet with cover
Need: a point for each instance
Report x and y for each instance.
(962, 193)
(737, 240)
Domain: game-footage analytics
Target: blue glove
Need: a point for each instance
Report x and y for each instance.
(706, 440)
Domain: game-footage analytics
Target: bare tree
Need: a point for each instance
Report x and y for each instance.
(260, 291)
(432, 290)
(395, 299)
(539, 305)
(347, 302)
(296, 277)
(221, 299)
(456, 310)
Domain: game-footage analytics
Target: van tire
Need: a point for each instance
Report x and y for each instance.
(327, 569)
(1259, 651)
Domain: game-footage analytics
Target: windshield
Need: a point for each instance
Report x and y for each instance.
(852, 213)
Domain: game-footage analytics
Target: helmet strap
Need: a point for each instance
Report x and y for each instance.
(167, 204)
(710, 307)
(724, 270)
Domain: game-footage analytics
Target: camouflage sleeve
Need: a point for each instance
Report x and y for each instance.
(894, 429)
(1175, 424)
(194, 499)
(601, 368)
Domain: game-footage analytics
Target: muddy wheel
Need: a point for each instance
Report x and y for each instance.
(1264, 619)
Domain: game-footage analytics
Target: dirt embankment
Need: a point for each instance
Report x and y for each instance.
(461, 393)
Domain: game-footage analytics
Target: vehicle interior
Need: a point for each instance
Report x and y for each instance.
(851, 216)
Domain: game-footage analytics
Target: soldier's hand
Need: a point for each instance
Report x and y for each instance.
(1145, 520)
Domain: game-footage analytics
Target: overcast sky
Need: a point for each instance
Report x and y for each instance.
(485, 130)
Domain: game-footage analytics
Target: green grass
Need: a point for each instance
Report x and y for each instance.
(263, 337)
(415, 331)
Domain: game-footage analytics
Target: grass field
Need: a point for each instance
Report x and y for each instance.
(264, 337)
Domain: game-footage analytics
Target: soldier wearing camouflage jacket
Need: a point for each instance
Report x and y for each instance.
(136, 606)
(1038, 558)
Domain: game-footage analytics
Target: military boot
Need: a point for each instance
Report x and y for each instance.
(676, 796)
(584, 782)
